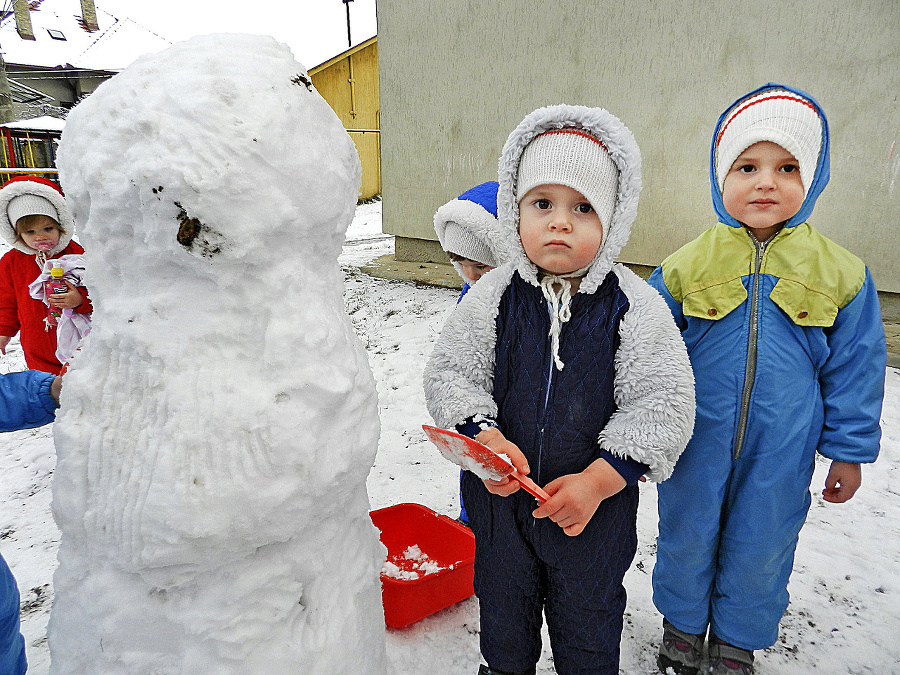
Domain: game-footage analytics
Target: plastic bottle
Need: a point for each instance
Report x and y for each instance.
(55, 285)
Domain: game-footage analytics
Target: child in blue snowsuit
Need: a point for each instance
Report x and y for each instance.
(468, 231)
(572, 366)
(785, 337)
(27, 400)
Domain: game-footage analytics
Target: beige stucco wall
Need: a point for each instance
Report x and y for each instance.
(457, 76)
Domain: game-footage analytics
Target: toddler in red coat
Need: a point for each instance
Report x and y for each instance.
(37, 224)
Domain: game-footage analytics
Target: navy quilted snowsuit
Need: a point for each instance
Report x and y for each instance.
(523, 564)
(624, 394)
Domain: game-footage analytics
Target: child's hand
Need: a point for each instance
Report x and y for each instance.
(496, 441)
(71, 299)
(55, 389)
(574, 498)
(4, 340)
(842, 482)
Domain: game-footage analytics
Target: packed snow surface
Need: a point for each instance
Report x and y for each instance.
(221, 419)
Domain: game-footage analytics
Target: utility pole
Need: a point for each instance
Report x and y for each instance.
(347, 4)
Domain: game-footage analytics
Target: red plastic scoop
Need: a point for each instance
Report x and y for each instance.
(479, 459)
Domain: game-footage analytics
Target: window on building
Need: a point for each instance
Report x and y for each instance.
(56, 34)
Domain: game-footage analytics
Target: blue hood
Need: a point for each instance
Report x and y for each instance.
(820, 179)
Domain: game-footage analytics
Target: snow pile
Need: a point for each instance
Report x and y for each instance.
(220, 422)
(409, 564)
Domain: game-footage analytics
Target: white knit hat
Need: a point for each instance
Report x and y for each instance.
(30, 205)
(575, 159)
(462, 241)
(777, 115)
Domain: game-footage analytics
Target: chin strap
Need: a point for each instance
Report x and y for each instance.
(560, 306)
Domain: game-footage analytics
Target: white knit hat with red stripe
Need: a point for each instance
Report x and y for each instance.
(573, 158)
(777, 115)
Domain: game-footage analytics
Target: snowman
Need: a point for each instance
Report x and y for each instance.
(219, 423)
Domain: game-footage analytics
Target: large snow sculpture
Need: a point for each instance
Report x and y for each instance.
(219, 424)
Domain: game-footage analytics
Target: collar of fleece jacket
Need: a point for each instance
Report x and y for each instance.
(36, 186)
(625, 153)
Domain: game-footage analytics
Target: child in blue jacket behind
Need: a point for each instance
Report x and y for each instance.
(468, 231)
(784, 332)
(27, 400)
(572, 366)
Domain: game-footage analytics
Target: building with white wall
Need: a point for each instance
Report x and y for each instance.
(458, 76)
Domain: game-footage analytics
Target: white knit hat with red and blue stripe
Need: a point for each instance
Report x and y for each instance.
(776, 115)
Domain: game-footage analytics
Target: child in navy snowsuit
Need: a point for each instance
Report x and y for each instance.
(468, 231)
(571, 366)
(785, 337)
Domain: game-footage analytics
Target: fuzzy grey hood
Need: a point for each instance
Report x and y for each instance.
(624, 151)
(22, 186)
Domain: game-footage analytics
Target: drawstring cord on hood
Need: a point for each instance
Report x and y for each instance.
(560, 310)
(560, 305)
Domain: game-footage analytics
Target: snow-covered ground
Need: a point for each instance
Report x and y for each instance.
(844, 615)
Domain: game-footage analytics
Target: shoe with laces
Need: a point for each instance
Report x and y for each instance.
(726, 659)
(679, 651)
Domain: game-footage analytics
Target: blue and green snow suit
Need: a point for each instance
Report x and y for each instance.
(787, 346)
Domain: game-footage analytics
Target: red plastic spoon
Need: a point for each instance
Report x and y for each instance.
(479, 459)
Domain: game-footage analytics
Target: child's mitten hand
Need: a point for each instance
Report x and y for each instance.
(69, 300)
(56, 389)
(842, 482)
(496, 441)
(574, 498)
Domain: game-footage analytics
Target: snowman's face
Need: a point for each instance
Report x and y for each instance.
(232, 165)
(198, 237)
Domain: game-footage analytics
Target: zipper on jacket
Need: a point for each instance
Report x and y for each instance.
(543, 426)
(543, 419)
(752, 334)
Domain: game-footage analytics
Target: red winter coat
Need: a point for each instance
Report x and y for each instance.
(20, 312)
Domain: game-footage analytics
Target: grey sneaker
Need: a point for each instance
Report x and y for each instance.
(726, 659)
(679, 651)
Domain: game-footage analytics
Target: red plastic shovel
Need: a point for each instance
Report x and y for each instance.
(479, 459)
